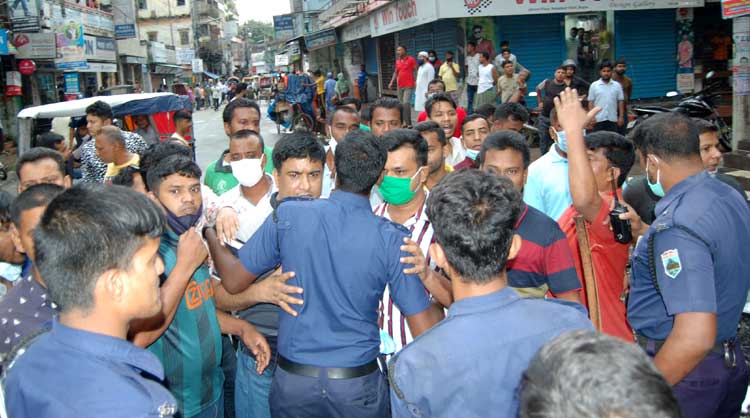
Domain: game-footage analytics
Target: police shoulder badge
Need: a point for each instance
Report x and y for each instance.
(670, 259)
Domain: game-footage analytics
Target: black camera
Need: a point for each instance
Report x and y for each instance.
(620, 227)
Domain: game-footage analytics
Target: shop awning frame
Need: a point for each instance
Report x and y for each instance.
(211, 75)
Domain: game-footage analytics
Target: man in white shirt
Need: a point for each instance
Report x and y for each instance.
(607, 95)
(425, 74)
(472, 74)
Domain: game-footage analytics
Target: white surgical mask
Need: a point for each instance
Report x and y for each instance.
(248, 171)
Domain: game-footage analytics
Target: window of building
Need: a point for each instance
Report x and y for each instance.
(153, 36)
(184, 36)
(180, 2)
(142, 4)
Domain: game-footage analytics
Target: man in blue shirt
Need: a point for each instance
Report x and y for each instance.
(471, 364)
(690, 272)
(343, 256)
(84, 366)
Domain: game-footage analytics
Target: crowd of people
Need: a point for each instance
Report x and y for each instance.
(390, 270)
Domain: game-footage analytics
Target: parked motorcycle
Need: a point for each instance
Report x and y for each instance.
(698, 105)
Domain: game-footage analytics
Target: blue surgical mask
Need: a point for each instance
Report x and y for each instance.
(562, 140)
(180, 224)
(472, 154)
(420, 61)
(656, 188)
(10, 272)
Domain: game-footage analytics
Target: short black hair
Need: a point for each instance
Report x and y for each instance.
(106, 223)
(504, 50)
(6, 200)
(668, 135)
(364, 114)
(472, 43)
(506, 62)
(621, 61)
(183, 115)
(402, 46)
(174, 164)
(341, 108)
(37, 154)
(237, 103)
(398, 138)
(512, 111)
(472, 118)
(618, 150)
(705, 126)
(244, 133)
(449, 52)
(297, 145)
(485, 54)
(604, 64)
(474, 214)
(360, 160)
(126, 175)
(49, 140)
(432, 51)
(504, 43)
(436, 81)
(38, 195)
(432, 126)
(487, 110)
(351, 100)
(387, 103)
(159, 151)
(241, 87)
(502, 140)
(567, 374)
(100, 109)
(436, 98)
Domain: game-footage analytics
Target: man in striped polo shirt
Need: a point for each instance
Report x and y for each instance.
(544, 263)
(403, 190)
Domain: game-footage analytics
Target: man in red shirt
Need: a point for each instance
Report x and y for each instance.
(405, 67)
(594, 164)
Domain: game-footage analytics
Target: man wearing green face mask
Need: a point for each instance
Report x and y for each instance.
(406, 172)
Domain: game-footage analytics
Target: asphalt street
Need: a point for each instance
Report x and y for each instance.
(211, 140)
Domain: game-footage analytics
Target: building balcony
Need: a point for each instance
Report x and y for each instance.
(207, 9)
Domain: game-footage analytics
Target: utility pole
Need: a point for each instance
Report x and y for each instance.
(197, 78)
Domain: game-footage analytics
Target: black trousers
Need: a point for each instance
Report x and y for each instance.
(606, 125)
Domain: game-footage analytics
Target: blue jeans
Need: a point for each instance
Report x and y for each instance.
(214, 411)
(251, 389)
(471, 91)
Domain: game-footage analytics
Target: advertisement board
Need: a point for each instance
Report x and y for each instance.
(35, 45)
(24, 14)
(734, 8)
(99, 49)
(70, 43)
(283, 27)
(123, 15)
(469, 8)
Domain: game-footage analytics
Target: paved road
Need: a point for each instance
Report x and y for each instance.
(211, 139)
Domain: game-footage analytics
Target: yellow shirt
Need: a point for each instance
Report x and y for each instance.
(113, 170)
(448, 77)
(448, 169)
(320, 85)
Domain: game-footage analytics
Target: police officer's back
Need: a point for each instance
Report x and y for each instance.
(84, 366)
(691, 273)
(471, 363)
(343, 257)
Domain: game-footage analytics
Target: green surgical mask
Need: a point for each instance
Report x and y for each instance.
(397, 190)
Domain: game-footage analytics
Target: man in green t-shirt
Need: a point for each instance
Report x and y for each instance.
(189, 327)
(240, 114)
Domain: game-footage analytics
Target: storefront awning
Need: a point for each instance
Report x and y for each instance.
(210, 75)
(167, 69)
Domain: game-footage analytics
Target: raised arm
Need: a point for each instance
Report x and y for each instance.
(234, 277)
(583, 188)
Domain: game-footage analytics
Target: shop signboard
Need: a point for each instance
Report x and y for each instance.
(404, 14)
(94, 21)
(24, 14)
(197, 65)
(734, 8)
(469, 8)
(283, 27)
(185, 55)
(281, 60)
(741, 67)
(123, 14)
(13, 83)
(70, 43)
(98, 67)
(4, 42)
(157, 52)
(321, 39)
(35, 45)
(357, 29)
(72, 85)
(99, 49)
(26, 67)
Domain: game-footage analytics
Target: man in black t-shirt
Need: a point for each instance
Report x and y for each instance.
(546, 92)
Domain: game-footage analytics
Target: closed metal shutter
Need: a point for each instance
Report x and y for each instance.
(423, 39)
(646, 39)
(538, 43)
(386, 59)
(444, 37)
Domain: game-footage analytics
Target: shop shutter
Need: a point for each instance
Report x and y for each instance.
(423, 38)
(444, 37)
(646, 39)
(371, 55)
(537, 41)
(406, 38)
(386, 59)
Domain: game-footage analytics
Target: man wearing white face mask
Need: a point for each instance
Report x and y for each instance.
(547, 187)
(251, 199)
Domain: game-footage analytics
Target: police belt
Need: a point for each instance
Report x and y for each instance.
(331, 372)
(724, 348)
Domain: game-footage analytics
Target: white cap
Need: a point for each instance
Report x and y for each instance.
(423, 53)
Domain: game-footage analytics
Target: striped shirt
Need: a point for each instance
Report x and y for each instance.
(390, 318)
